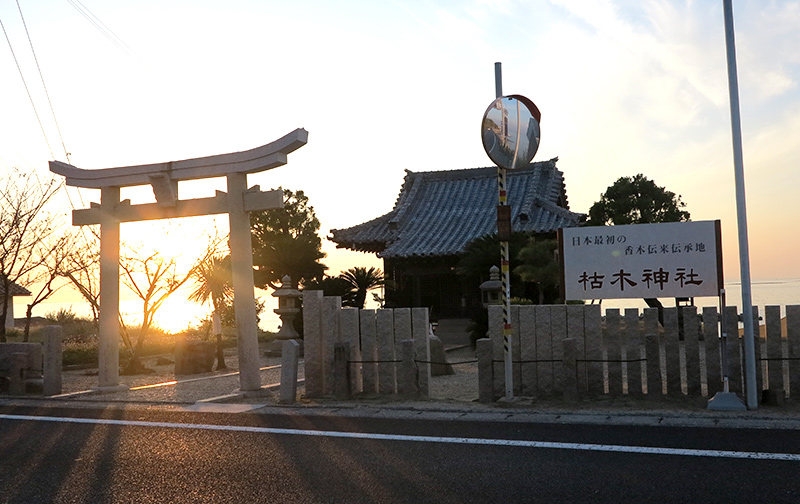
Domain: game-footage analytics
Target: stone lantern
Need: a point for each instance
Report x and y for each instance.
(288, 308)
(492, 288)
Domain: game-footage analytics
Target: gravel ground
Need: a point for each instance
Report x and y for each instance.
(163, 386)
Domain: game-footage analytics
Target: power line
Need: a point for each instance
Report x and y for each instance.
(101, 27)
(47, 94)
(26, 89)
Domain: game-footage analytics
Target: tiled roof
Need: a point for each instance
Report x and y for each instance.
(438, 213)
(16, 290)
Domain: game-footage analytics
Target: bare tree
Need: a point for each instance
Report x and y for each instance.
(82, 267)
(24, 225)
(55, 251)
(153, 279)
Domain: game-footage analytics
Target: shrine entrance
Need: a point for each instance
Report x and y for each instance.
(237, 202)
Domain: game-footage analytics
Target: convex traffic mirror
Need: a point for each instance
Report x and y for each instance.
(510, 131)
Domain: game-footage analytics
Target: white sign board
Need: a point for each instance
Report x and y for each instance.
(674, 259)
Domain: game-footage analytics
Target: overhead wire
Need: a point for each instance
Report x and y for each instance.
(49, 101)
(101, 27)
(107, 32)
(24, 83)
(41, 76)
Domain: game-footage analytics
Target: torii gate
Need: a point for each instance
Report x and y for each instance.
(164, 177)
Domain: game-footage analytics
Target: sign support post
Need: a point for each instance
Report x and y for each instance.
(725, 400)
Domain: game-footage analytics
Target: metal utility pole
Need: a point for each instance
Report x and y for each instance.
(741, 211)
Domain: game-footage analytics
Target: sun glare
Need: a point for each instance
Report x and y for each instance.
(177, 313)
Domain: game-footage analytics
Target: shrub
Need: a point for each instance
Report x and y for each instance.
(79, 353)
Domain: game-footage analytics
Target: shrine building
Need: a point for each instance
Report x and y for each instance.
(438, 213)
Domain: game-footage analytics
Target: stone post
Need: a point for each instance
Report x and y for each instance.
(314, 350)
(52, 362)
(331, 306)
(348, 331)
(407, 386)
(570, 369)
(369, 351)
(341, 378)
(244, 302)
(420, 328)
(16, 378)
(672, 349)
(384, 325)
(290, 356)
(485, 377)
(495, 334)
(653, 359)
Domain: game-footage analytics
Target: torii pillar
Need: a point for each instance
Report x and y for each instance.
(108, 319)
(164, 177)
(242, 271)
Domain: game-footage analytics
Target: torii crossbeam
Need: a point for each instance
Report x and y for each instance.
(164, 177)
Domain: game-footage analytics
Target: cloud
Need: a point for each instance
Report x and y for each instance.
(767, 53)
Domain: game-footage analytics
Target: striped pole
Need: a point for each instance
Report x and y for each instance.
(504, 261)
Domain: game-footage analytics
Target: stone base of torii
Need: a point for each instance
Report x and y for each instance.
(237, 202)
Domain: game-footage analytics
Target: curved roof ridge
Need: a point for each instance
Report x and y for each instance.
(548, 185)
(438, 212)
(407, 192)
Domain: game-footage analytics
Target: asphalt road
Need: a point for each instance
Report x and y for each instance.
(114, 455)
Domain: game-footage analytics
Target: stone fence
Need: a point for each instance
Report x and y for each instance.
(572, 351)
(32, 367)
(348, 351)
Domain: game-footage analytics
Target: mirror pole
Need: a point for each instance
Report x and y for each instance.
(504, 262)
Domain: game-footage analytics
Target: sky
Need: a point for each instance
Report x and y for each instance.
(624, 87)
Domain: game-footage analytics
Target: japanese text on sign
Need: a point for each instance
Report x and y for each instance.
(678, 259)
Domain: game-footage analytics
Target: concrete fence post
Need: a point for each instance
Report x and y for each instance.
(349, 331)
(793, 335)
(16, 385)
(290, 356)
(369, 351)
(341, 376)
(570, 369)
(384, 326)
(51, 369)
(485, 378)
(331, 306)
(653, 360)
(420, 328)
(407, 386)
(312, 340)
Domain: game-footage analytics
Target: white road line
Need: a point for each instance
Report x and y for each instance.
(646, 450)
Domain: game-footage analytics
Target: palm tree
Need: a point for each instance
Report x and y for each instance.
(333, 286)
(537, 264)
(213, 278)
(362, 280)
(484, 252)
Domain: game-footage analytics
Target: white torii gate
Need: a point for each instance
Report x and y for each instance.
(164, 177)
